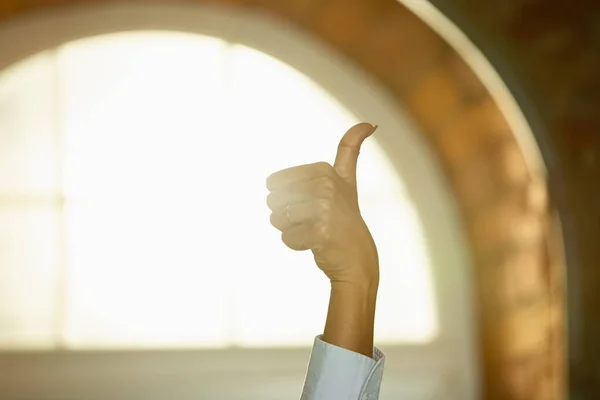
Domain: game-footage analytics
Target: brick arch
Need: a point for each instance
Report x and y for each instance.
(513, 236)
(557, 79)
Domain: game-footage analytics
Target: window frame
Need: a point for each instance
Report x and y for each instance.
(451, 358)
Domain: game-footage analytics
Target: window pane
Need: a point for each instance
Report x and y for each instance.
(29, 205)
(289, 119)
(28, 156)
(405, 306)
(29, 262)
(142, 114)
(131, 101)
(281, 296)
(141, 274)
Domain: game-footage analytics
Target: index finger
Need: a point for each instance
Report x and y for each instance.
(300, 173)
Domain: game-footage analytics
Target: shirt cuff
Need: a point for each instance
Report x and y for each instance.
(337, 373)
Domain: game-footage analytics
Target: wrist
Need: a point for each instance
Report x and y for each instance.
(351, 315)
(356, 296)
(363, 283)
(359, 288)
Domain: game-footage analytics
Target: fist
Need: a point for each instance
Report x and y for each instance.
(316, 208)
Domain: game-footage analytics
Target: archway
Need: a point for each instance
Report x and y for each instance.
(501, 198)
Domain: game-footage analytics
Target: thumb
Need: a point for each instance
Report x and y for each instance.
(348, 149)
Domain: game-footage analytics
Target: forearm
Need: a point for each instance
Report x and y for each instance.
(351, 316)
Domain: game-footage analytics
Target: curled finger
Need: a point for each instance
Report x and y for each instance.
(297, 237)
(292, 214)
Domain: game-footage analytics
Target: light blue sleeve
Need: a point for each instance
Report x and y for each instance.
(340, 374)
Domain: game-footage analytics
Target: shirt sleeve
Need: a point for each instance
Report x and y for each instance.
(340, 374)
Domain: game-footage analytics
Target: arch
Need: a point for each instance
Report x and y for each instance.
(491, 168)
(359, 92)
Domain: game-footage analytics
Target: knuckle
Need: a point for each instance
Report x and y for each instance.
(273, 219)
(324, 167)
(324, 208)
(270, 201)
(276, 200)
(322, 232)
(270, 182)
(285, 238)
(292, 241)
(327, 187)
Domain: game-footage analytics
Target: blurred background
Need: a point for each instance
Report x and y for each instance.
(136, 255)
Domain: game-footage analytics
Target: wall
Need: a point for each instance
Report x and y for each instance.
(557, 79)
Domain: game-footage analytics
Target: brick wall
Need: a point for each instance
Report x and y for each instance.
(557, 45)
(510, 220)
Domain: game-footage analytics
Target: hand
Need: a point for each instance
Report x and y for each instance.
(315, 207)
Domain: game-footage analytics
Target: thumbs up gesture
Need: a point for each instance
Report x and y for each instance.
(315, 207)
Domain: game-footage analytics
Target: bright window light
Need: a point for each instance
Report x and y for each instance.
(133, 201)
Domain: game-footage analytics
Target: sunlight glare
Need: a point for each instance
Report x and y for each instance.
(168, 141)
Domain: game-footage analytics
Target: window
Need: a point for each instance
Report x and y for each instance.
(132, 200)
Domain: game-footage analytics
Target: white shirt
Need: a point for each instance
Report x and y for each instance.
(335, 373)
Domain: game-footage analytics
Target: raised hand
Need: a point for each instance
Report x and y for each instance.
(315, 206)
